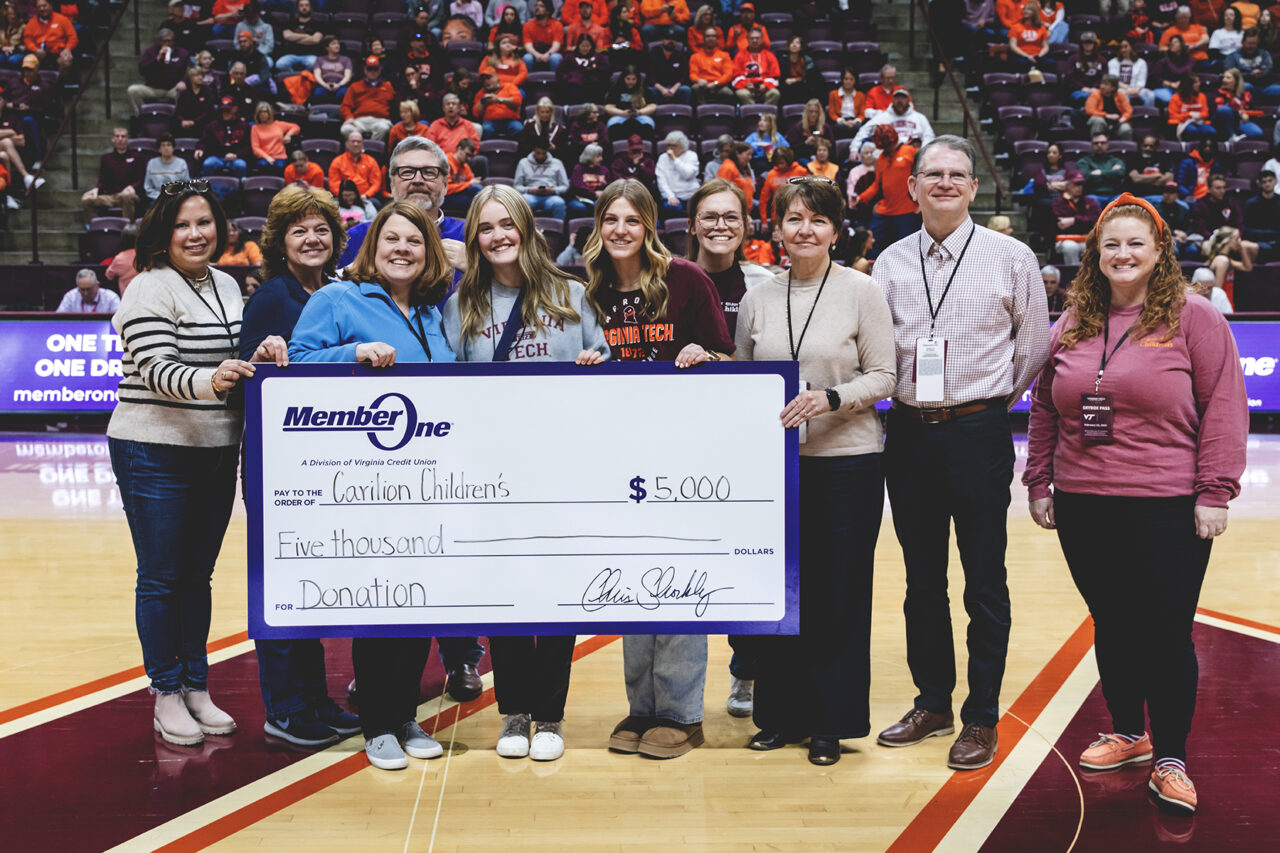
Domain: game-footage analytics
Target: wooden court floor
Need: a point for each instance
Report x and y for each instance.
(70, 677)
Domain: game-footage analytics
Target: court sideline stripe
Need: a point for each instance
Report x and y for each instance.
(932, 824)
(246, 816)
(106, 682)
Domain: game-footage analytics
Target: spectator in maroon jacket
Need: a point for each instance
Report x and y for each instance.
(588, 178)
(162, 66)
(120, 176)
(584, 73)
(586, 128)
(1217, 209)
(224, 147)
(197, 104)
(1076, 214)
(634, 163)
(31, 98)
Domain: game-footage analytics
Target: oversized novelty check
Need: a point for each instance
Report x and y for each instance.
(481, 499)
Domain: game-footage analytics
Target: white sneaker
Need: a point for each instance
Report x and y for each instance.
(548, 743)
(514, 740)
(12, 203)
(384, 753)
(211, 719)
(28, 180)
(174, 722)
(418, 743)
(39, 182)
(741, 697)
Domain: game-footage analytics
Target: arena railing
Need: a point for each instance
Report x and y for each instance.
(948, 72)
(101, 58)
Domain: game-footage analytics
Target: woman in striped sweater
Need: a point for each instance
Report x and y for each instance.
(174, 443)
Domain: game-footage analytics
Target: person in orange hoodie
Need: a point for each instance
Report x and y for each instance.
(505, 63)
(703, 20)
(367, 105)
(409, 124)
(1196, 36)
(736, 169)
(1010, 12)
(756, 72)
(462, 181)
(711, 70)
(1108, 110)
(51, 37)
(736, 40)
(1189, 111)
(896, 215)
(356, 166)
(661, 19)
(880, 96)
(302, 171)
(498, 108)
(784, 169)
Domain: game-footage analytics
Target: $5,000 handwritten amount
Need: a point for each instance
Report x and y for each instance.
(691, 488)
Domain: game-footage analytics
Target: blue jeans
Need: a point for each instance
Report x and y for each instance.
(939, 473)
(220, 166)
(1228, 123)
(291, 675)
(1196, 132)
(553, 62)
(616, 120)
(818, 682)
(1058, 32)
(653, 32)
(666, 675)
(1162, 97)
(269, 164)
(546, 205)
(501, 127)
(295, 62)
(682, 96)
(178, 502)
(578, 208)
(891, 229)
(667, 211)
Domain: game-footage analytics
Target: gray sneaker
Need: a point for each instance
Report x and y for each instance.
(384, 753)
(418, 743)
(514, 740)
(741, 693)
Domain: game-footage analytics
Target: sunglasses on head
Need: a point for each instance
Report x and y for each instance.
(180, 187)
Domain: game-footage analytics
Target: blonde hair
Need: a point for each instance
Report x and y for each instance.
(999, 222)
(291, 204)
(546, 288)
(412, 106)
(1237, 88)
(822, 116)
(655, 258)
(1220, 240)
(432, 287)
(263, 105)
(770, 125)
(1089, 297)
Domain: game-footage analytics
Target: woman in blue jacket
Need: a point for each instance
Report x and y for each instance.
(386, 313)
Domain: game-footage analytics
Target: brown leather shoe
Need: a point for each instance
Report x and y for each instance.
(975, 748)
(626, 734)
(669, 740)
(917, 725)
(463, 683)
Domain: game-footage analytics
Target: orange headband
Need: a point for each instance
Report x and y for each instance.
(1130, 198)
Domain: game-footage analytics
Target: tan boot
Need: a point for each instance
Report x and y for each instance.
(669, 740)
(211, 719)
(174, 722)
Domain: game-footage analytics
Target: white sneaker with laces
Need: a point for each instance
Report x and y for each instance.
(741, 697)
(514, 740)
(548, 742)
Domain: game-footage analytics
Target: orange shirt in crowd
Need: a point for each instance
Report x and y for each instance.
(571, 13)
(448, 137)
(772, 181)
(1180, 110)
(1191, 35)
(1093, 106)
(512, 70)
(729, 171)
(835, 103)
(312, 175)
(716, 68)
(828, 171)
(1249, 13)
(55, 36)
(399, 134)
(758, 252)
(363, 99)
(460, 176)
(1030, 40)
(250, 256)
(652, 13)
(548, 33)
(890, 185)
(267, 140)
(365, 173)
(696, 38)
(601, 36)
(878, 99)
(1010, 12)
(498, 112)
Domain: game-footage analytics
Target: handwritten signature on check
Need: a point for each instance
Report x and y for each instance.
(657, 586)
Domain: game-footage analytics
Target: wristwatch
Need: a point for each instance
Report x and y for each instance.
(833, 399)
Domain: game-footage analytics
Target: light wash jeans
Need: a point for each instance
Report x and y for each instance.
(666, 675)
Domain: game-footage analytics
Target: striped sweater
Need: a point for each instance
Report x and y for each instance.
(173, 341)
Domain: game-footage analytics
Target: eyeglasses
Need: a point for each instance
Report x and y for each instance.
(180, 187)
(815, 178)
(428, 173)
(935, 176)
(711, 220)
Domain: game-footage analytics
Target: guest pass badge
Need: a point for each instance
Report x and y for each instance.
(931, 366)
(1097, 418)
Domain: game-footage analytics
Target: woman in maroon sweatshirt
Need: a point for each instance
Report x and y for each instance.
(1138, 423)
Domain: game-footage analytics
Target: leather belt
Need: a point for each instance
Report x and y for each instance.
(943, 414)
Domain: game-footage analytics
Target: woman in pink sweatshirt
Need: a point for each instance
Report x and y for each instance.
(1136, 443)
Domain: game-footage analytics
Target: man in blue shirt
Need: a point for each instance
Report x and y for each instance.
(419, 172)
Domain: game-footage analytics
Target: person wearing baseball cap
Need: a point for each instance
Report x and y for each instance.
(902, 116)
(1177, 215)
(367, 105)
(1076, 214)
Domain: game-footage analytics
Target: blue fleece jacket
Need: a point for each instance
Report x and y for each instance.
(346, 313)
(272, 310)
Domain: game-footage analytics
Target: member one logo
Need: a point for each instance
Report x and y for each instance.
(392, 417)
(1261, 366)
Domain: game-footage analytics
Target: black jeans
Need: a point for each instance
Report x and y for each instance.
(1139, 565)
(531, 675)
(939, 473)
(389, 673)
(818, 682)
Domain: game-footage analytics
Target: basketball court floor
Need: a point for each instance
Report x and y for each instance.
(83, 770)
